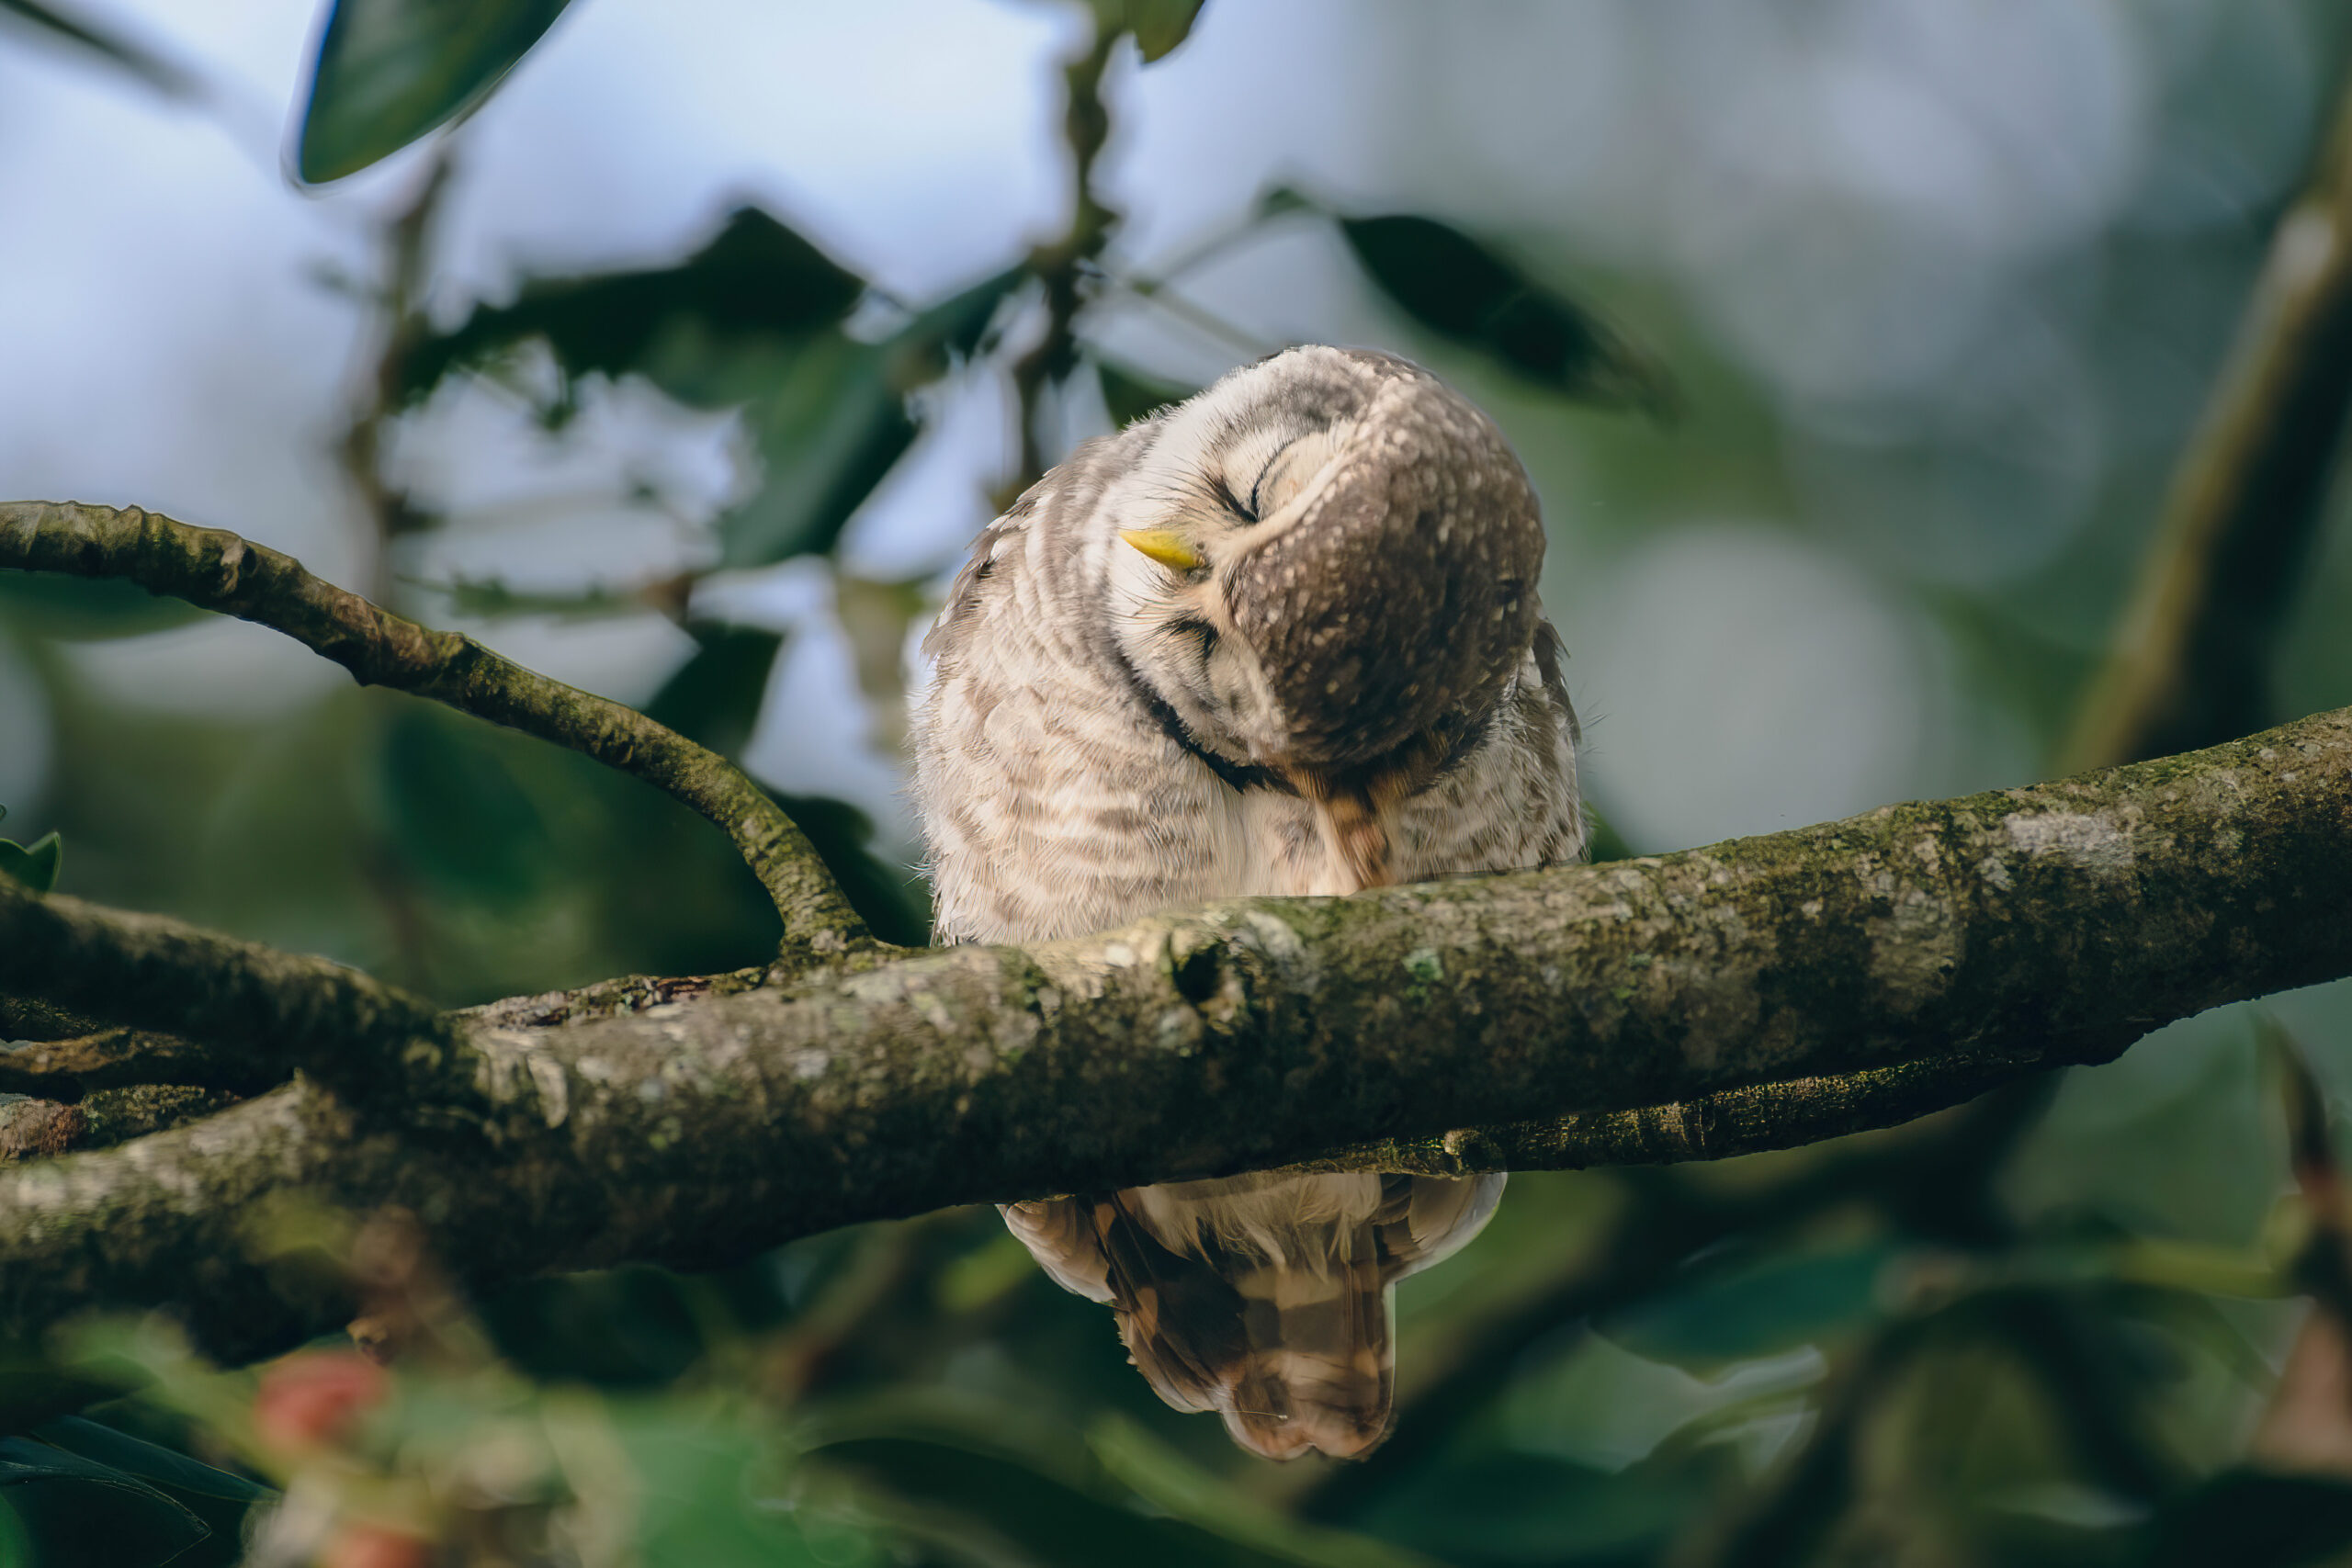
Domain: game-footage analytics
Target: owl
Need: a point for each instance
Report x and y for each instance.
(1280, 639)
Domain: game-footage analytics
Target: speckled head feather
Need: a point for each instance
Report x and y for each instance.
(1283, 638)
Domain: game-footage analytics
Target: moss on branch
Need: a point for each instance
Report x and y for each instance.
(219, 570)
(249, 1014)
(1808, 983)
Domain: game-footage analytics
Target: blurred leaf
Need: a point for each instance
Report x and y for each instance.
(1131, 395)
(714, 699)
(454, 812)
(705, 1478)
(1048, 1519)
(216, 1497)
(835, 421)
(831, 422)
(2249, 1518)
(1463, 291)
(1177, 1486)
(1484, 1506)
(172, 81)
(1739, 1311)
(756, 277)
(79, 609)
(1159, 25)
(37, 866)
(390, 71)
(75, 1511)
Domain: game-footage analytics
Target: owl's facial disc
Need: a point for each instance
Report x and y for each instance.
(1348, 569)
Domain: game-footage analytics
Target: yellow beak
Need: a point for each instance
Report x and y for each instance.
(1166, 546)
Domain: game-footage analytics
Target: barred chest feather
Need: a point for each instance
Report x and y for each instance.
(1088, 751)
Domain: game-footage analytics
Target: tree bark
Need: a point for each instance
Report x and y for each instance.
(1835, 978)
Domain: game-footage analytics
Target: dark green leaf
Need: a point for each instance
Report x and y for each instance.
(150, 1462)
(713, 698)
(832, 423)
(2252, 1519)
(216, 1496)
(1733, 1311)
(34, 865)
(829, 415)
(74, 1510)
(140, 62)
(1463, 292)
(755, 279)
(1131, 395)
(1160, 25)
(390, 71)
(1050, 1520)
(454, 812)
(87, 609)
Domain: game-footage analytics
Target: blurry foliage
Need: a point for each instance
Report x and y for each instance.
(1962, 1355)
(87, 33)
(390, 71)
(1465, 292)
(34, 866)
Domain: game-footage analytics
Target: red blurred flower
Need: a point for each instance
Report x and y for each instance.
(373, 1546)
(313, 1398)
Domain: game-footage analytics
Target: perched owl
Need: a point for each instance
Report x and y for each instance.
(1281, 639)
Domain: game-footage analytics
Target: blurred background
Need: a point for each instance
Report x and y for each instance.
(1861, 339)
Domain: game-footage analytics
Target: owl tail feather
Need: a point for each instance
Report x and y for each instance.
(1265, 1299)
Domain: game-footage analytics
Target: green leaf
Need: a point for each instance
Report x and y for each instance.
(390, 71)
(1160, 25)
(158, 73)
(455, 811)
(74, 1510)
(36, 866)
(714, 699)
(1131, 395)
(87, 609)
(1734, 1311)
(827, 414)
(1463, 292)
(2252, 1519)
(755, 279)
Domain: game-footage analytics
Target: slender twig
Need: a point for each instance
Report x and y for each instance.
(1187, 309)
(1062, 265)
(220, 572)
(1749, 1119)
(2190, 662)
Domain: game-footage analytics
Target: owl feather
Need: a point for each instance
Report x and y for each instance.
(1282, 638)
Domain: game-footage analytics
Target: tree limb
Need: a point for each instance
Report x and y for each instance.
(277, 1012)
(219, 570)
(1992, 934)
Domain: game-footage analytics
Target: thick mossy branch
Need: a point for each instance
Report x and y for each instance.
(218, 570)
(1859, 970)
(250, 1013)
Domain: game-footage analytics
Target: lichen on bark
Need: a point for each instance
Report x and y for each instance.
(1755, 992)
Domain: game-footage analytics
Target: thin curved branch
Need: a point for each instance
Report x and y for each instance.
(2191, 660)
(2001, 932)
(219, 570)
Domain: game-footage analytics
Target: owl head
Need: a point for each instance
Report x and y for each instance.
(1323, 562)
